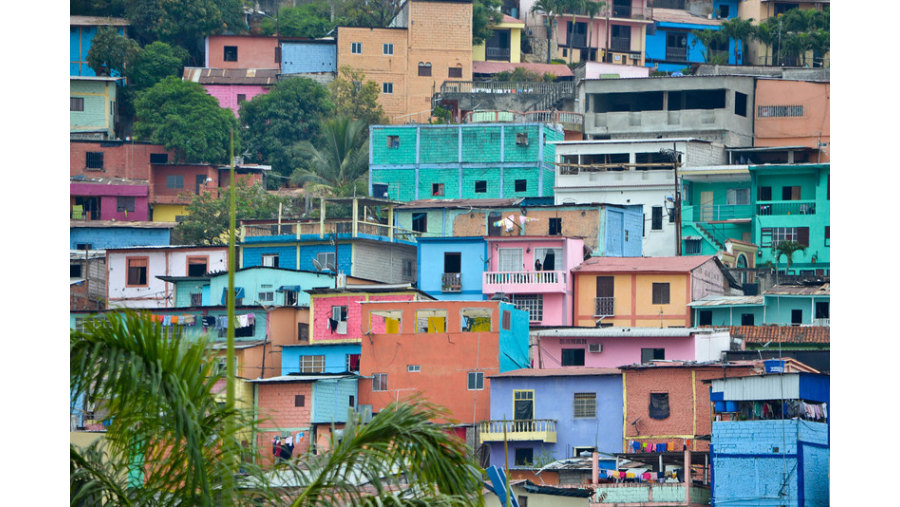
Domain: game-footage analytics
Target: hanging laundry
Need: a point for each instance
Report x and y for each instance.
(276, 446)
(332, 324)
(174, 319)
(298, 438)
(242, 321)
(251, 318)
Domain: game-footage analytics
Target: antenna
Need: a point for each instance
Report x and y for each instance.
(317, 264)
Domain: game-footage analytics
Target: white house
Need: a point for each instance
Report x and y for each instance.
(633, 172)
(132, 272)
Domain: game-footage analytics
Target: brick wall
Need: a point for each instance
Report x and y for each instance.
(120, 159)
(278, 413)
(575, 223)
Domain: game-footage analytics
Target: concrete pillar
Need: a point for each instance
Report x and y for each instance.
(321, 219)
(390, 223)
(687, 476)
(355, 218)
(595, 468)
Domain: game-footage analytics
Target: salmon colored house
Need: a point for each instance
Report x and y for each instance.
(242, 52)
(644, 291)
(668, 403)
(794, 113)
(442, 350)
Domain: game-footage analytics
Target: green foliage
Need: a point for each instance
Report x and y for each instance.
(737, 29)
(338, 162)
(112, 8)
(180, 115)
(791, 35)
(111, 52)
(706, 38)
(207, 219)
(440, 115)
(307, 20)
(485, 13)
(157, 61)
(522, 75)
(355, 97)
(370, 13)
(275, 122)
(787, 249)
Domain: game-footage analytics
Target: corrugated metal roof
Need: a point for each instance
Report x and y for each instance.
(681, 16)
(301, 378)
(728, 301)
(620, 331)
(557, 372)
(78, 255)
(784, 386)
(801, 290)
(116, 223)
(655, 264)
(97, 21)
(205, 75)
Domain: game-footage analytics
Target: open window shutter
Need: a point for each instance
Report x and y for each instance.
(803, 235)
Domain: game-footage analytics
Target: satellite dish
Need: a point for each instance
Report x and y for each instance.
(317, 265)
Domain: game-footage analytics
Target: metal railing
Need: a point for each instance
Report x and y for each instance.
(604, 306)
(451, 282)
(518, 426)
(495, 52)
(713, 212)
(570, 120)
(620, 44)
(787, 208)
(537, 87)
(524, 277)
(330, 227)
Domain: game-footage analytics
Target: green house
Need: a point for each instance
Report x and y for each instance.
(92, 107)
(466, 161)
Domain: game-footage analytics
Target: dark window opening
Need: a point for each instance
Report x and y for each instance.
(452, 262)
(659, 405)
(241, 98)
(555, 227)
(662, 160)
(393, 141)
(277, 54)
(676, 46)
(765, 194)
(494, 230)
(302, 332)
(740, 101)
(137, 271)
(521, 185)
(822, 310)
(196, 299)
(524, 457)
(196, 267)
(94, 160)
(75, 270)
(425, 69)
(480, 186)
(656, 218)
(648, 355)
(159, 158)
(454, 72)
(697, 99)
(747, 319)
(299, 400)
(620, 39)
(660, 293)
(231, 54)
(628, 101)
(796, 317)
(420, 222)
(827, 235)
(573, 357)
(125, 204)
(790, 193)
(76, 104)
(437, 189)
(705, 318)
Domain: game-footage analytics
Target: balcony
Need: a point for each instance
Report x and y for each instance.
(716, 212)
(264, 232)
(497, 53)
(451, 282)
(786, 208)
(569, 120)
(524, 430)
(604, 307)
(524, 282)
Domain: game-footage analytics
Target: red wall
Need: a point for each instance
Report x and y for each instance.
(160, 194)
(254, 52)
(120, 160)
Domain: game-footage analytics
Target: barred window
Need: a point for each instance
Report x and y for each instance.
(379, 382)
(779, 111)
(585, 404)
(312, 364)
(531, 303)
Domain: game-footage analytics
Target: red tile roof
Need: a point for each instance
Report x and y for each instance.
(512, 21)
(782, 334)
(649, 264)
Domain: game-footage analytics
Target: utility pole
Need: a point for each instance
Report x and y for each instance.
(675, 163)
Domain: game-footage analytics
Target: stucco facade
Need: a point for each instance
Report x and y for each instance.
(249, 52)
(92, 107)
(780, 122)
(105, 201)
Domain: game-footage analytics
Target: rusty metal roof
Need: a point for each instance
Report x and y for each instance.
(782, 334)
(204, 75)
(557, 372)
(822, 289)
(728, 301)
(97, 21)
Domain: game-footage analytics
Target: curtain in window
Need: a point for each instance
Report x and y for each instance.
(659, 405)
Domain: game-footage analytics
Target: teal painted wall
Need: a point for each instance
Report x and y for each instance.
(183, 291)
(97, 114)
(775, 310)
(514, 342)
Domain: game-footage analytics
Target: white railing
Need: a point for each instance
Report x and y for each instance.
(524, 277)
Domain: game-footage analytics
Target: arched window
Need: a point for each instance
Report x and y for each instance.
(425, 68)
(742, 263)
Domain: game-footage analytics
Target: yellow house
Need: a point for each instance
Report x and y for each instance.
(644, 291)
(505, 45)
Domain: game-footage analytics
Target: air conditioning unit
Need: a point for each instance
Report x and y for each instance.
(595, 348)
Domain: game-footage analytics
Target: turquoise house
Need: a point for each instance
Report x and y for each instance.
(783, 305)
(92, 107)
(465, 161)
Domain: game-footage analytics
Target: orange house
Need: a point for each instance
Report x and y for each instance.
(644, 291)
(794, 113)
(430, 42)
(242, 52)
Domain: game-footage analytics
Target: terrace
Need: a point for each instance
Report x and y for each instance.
(518, 430)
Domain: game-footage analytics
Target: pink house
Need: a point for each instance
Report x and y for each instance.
(109, 199)
(613, 347)
(535, 273)
(231, 87)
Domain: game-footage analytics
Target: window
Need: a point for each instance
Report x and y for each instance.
(521, 185)
(791, 193)
(277, 54)
(475, 381)
(747, 319)
(551, 258)
(723, 11)
(796, 317)
(312, 364)
(76, 103)
(413, 368)
(326, 260)
(656, 218)
(409, 268)
(425, 69)
(827, 235)
(555, 228)
(387, 49)
(197, 266)
(339, 313)
(770, 236)
(523, 500)
(510, 259)
(175, 181)
(506, 319)
(480, 186)
(387, 88)
(691, 246)
(196, 299)
(764, 194)
(290, 298)
(356, 48)
(676, 46)
(125, 204)
(420, 222)
(393, 141)
(241, 98)
(454, 72)
(74, 270)
(531, 303)
(159, 158)
(380, 382)
(474, 320)
(94, 160)
(585, 404)
(740, 100)
(352, 362)
(522, 138)
(524, 457)
(659, 405)
(352, 400)
(299, 400)
(431, 321)
(266, 297)
(573, 357)
(660, 293)
(822, 310)
(738, 196)
(779, 111)
(648, 355)
(705, 318)
(231, 53)
(437, 189)
(302, 332)
(83, 246)
(270, 260)
(137, 271)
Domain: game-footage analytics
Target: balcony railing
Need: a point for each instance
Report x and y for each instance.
(604, 307)
(451, 282)
(787, 208)
(676, 54)
(568, 119)
(298, 229)
(495, 53)
(524, 281)
(538, 88)
(714, 212)
(541, 430)
(620, 44)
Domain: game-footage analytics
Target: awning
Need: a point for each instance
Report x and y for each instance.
(292, 288)
(238, 294)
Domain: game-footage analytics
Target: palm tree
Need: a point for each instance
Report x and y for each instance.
(572, 7)
(707, 38)
(591, 10)
(551, 10)
(787, 248)
(739, 30)
(339, 162)
(766, 33)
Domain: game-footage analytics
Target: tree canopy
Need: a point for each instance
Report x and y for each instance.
(180, 115)
(370, 13)
(111, 53)
(355, 97)
(275, 122)
(157, 61)
(306, 20)
(338, 161)
(207, 219)
(485, 13)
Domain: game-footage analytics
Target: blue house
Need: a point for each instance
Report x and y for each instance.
(807, 304)
(82, 30)
(671, 47)
(324, 358)
(103, 234)
(308, 57)
(771, 439)
(552, 414)
(452, 268)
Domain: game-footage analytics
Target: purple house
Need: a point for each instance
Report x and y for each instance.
(553, 414)
(535, 272)
(108, 199)
(231, 87)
